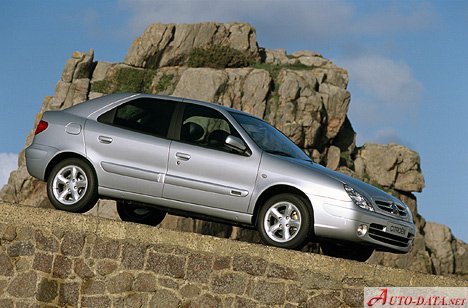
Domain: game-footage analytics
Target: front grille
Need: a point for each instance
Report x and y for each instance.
(392, 208)
(377, 233)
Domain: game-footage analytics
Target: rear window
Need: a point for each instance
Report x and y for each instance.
(144, 115)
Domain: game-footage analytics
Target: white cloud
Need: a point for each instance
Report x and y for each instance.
(389, 81)
(389, 135)
(319, 18)
(386, 96)
(283, 21)
(8, 163)
(393, 19)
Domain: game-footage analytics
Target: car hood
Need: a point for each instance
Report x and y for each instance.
(364, 188)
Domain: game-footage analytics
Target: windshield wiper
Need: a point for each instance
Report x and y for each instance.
(281, 153)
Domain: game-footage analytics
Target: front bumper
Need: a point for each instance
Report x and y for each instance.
(340, 220)
(37, 159)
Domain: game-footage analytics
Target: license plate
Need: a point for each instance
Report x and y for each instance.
(397, 229)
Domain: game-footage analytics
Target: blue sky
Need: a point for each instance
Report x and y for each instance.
(407, 63)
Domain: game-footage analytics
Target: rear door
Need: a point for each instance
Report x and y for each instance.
(202, 170)
(128, 145)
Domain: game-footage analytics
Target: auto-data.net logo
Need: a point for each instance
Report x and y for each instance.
(415, 297)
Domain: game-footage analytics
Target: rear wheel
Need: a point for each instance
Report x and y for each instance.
(72, 186)
(285, 221)
(139, 214)
(347, 251)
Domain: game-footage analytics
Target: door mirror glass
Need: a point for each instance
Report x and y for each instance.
(235, 143)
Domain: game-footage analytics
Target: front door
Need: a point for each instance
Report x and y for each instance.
(202, 170)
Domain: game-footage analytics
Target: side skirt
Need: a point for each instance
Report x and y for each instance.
(180, 208)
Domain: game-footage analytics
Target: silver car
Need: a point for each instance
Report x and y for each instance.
(159, 154)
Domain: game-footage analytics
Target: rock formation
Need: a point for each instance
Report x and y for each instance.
(303, 94)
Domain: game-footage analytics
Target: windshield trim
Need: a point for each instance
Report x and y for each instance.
(296, 152)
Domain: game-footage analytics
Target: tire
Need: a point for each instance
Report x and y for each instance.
(72, 186)
(139, 214)
(347, 251)
(285, 221)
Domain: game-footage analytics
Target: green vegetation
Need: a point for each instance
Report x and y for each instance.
(346, 160)
(274, 69)
(129, 80)
(164, 83)
(101, 86)
(126, 79)
(148, 80)
(218, 57)
(345, 156)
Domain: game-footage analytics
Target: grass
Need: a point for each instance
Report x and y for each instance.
(275, 69)
(101, 86)
(126, 79)
(218, 56)
(164, 83)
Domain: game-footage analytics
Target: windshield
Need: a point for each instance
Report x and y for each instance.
(269, 138)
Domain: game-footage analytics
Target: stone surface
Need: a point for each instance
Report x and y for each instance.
(333, 157)
(232, 272)
(252, 266)
(244, 88)
(62, 266)
(145, 282)
(447, 253)
(6, 266)
(392, 166)
(69, 294)
(120, 283)
(23, 285)
(47, 290)
(270, 293)
(72, 244)
(169, 44)
(43, 262)
(165, 264)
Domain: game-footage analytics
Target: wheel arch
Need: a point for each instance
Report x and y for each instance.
(65, 155)
(276, 190)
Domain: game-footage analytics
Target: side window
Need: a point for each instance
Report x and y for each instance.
(206, 127)
(144, 115)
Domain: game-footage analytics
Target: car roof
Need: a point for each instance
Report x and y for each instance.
(89, 107)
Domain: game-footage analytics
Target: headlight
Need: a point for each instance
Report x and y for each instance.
(358, 199)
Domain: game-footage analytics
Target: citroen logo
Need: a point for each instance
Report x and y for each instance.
(395, 210)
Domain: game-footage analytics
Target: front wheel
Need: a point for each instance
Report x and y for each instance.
(139, 214)
(347, 251)
(72, 186)
(285, 221)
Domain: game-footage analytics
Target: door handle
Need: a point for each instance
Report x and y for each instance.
(105, 139)
(183, 156)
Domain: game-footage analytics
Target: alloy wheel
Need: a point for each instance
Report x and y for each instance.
(282, 221)
(70, 185)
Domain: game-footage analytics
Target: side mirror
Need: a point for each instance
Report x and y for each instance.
(235, 143)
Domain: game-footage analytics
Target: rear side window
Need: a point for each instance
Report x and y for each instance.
(144, 115)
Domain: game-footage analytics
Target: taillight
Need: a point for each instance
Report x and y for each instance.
(42, 126)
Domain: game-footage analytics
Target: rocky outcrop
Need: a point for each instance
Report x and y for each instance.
(303, 94)
(391, 166)
(170, 45)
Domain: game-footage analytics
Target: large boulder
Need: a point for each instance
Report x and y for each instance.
(170, 44)
(391, 166)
